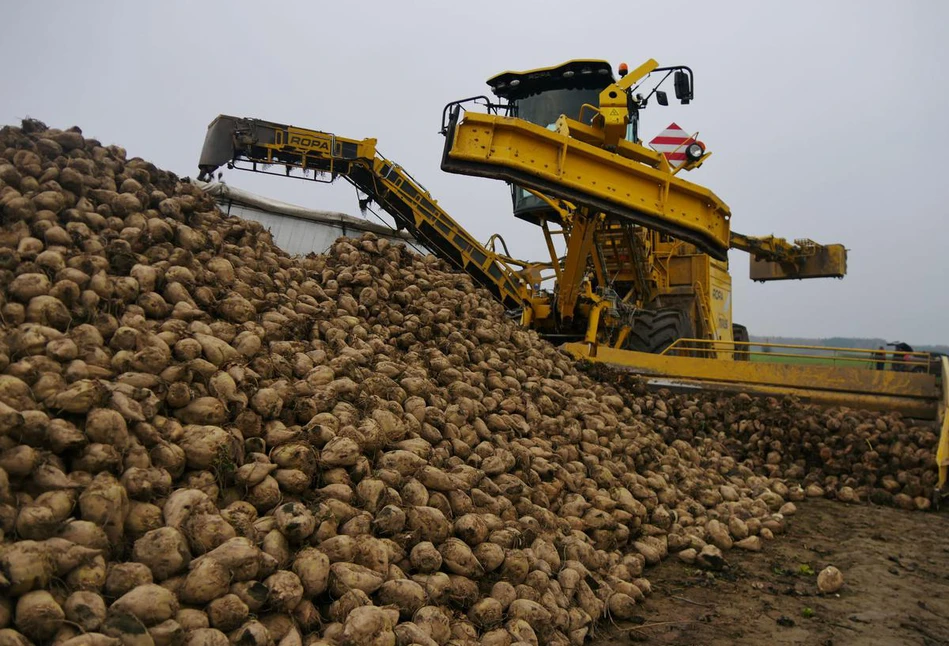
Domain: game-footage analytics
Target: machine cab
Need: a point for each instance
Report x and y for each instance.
(540, 96)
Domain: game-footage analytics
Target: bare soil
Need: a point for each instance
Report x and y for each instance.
(896, 591)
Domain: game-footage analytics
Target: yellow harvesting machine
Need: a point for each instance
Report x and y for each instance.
(642, 280)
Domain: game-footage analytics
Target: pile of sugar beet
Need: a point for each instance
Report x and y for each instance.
(205, 441)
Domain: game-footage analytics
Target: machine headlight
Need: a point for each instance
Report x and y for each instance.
(694, 151)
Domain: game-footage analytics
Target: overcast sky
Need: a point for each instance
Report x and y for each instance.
(827, 119)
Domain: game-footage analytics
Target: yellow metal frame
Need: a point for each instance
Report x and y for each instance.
(580, 246)
(392, 178)
(567, 168)
(613, 112)
(910, 393)
(942, 452)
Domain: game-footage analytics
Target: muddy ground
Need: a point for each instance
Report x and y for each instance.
(895, 563)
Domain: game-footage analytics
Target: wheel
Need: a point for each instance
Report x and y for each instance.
(739, 335)
(655, 330)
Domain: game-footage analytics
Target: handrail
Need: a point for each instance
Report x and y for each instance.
(492, 108)
(869, 356)
(795, 346)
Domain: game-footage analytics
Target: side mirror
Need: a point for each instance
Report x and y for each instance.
(683, 87)
(662, 98)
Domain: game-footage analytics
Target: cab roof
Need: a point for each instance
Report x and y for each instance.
(586, 74)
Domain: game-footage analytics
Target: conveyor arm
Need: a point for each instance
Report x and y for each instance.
(257, 145)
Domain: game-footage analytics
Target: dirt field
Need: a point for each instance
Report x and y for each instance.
(895, 563)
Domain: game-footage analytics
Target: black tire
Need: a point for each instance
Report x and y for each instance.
(740, 334)
(655, 330)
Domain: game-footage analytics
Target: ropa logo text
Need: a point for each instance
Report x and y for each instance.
(316, 143)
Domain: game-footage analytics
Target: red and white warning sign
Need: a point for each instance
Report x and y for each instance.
(672, 142)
